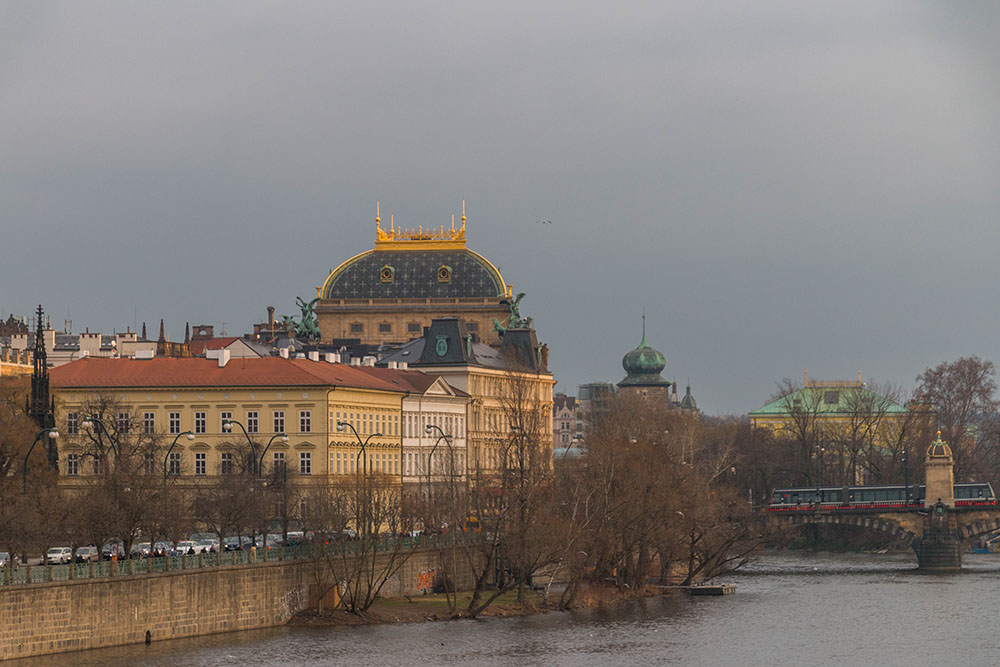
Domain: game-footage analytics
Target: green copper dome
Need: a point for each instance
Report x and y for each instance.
(688, 402)
(643, 365)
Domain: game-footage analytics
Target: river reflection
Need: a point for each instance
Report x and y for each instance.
(790, 609)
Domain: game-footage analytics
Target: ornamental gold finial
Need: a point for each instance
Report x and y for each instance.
(939, 434)
(463, 216)
(453, 225)
(377, 219)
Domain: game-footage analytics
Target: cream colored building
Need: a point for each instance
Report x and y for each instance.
(510, 388)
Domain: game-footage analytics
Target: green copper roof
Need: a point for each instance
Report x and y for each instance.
(643, 365)
(829, 401)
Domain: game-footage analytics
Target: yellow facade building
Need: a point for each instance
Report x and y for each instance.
(187, 401)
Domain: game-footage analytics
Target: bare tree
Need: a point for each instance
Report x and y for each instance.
(962, 396)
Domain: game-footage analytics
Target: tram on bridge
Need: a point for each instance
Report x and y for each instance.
(890, 496)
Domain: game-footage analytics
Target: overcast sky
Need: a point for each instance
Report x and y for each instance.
(781, 185)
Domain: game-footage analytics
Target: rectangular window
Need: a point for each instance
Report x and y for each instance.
(98, 468)
(305, 421)
(279, 421)
(253, 421)
(149, 422)
(305, 463)
(472, 326)
(124, 422)
(226, 463)
(278, 463)
(174, 464)
(73, 465)
(174, 422)
(385, 327)
(224, 416)
(73, 423)
(357, 328)
(149, 463)
(413, 328)
(200, 463)
(831, 397)
(199, 422)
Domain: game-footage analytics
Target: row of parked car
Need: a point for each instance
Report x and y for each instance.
(198, 544)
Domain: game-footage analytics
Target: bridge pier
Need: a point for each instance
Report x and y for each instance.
(938, 552)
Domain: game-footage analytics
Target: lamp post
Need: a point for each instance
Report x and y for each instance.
(906, 477)
(190, 436)
(342, 426)
(345, 425)
(429, 428)
(89, 422)
(53, 434)
(227, 426)
(260, 462)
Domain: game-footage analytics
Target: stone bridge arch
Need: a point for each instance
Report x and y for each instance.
(974, 527)
(878, 524)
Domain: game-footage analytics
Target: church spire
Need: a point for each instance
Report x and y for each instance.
(38, 405)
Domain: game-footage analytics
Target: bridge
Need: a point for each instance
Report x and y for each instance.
(935, 529)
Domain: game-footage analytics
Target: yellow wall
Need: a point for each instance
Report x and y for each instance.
(318, 441)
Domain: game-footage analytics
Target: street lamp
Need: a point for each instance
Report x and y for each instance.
(260, 462)
(227, 426)
(428, 428)
(190, 436)
(90, 422)
(53, 434)
(341, 426)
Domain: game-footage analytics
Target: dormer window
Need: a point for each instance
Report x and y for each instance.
(387, 274)
(444, 274)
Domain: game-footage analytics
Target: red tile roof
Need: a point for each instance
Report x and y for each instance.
(196, 372)
(198, 346)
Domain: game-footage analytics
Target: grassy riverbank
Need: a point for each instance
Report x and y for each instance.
(434, 607)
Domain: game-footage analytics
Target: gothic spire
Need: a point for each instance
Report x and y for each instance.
(38, 405)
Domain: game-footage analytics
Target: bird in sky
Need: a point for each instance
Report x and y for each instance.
(543, 222)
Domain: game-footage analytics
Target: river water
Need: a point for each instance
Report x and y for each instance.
(789, 609)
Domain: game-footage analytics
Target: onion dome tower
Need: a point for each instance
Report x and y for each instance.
(688, 402)
(643, 366)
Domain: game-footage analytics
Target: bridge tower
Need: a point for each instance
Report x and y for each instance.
(940, 476)
(940, 547)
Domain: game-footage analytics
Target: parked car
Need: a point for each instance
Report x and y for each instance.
(140, 550)
(59, 555)
(86, 554)
(116, 550)
(208, 545)
(188, 547)
(5, 559)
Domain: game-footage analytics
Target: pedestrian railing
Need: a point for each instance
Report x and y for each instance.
(38, 574)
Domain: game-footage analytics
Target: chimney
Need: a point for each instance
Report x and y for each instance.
(393, 364)
(368, 361)
(330, 357)
(314, 355)
(355, 361)
(162, 338)
(404, 365)
(144, 331)
(270, 318)
(187, 333)
(283, 352)
(223, 358)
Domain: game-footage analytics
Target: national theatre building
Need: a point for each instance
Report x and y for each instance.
(391, 293)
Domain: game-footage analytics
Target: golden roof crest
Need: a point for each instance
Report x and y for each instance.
(398, 238)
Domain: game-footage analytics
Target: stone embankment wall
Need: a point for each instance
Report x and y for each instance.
(37, 619)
